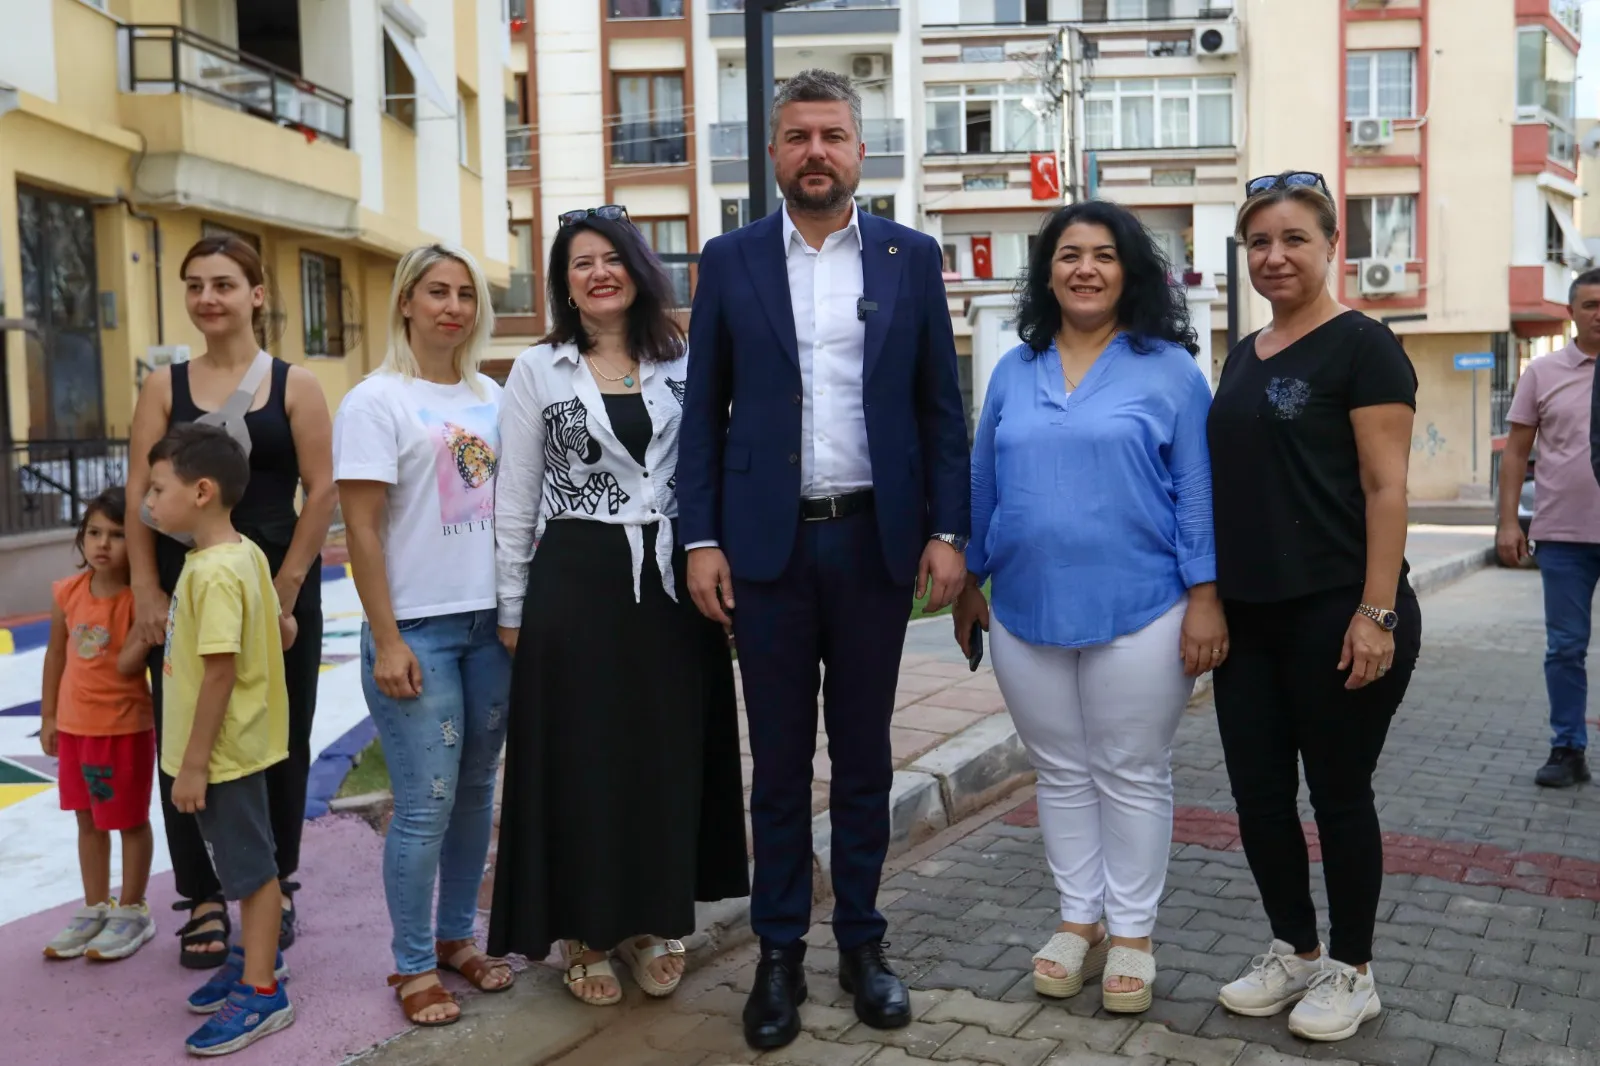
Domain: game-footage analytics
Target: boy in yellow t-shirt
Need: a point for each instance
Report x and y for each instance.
(225, 717)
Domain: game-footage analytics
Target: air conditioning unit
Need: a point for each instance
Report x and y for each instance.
(1220, 39)
(1381, 277)
(1371, 132)
(869, 67)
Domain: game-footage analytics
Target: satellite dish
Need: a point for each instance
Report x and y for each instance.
(1591, 142)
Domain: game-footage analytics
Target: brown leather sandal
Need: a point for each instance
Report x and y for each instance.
(477, 968)
(413, 1005)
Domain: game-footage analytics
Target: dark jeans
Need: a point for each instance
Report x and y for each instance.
(1569, 571)
(1280, 701)
(192, 873)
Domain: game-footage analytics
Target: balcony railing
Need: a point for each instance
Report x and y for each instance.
(1563, 147)
(519, 147)
(47, 482)
(1018, 13)
(814, 5)
(659, 142)
(168, 59)
(882, 136)
(644, 9)
(518, 299)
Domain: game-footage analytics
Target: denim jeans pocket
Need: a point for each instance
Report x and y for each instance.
(411, 624)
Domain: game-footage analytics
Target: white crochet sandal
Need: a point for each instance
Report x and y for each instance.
(640, 958)
(1129, 962)
(583, 971)
(1072, 953)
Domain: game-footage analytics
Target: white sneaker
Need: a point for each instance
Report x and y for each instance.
(1339, 1000)
(126, 930)
(1275, 981)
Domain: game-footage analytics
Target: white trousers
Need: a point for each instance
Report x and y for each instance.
(1098, 724)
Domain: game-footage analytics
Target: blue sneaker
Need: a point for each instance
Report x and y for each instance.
(246, 1016)
(209, 997)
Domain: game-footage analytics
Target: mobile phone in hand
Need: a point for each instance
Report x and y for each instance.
(975, 647)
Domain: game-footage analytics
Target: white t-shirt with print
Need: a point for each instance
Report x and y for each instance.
(437, 448)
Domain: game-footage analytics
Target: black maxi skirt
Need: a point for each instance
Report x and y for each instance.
(622, 801)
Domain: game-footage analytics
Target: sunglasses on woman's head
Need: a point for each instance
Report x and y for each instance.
(609, 212)
(1295, 179)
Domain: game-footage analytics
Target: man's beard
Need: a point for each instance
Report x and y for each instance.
(837, 195)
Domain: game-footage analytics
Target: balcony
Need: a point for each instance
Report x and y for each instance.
(644, 9)
(841, 17)
(658, 142)
(518, 298)
(884, 137)
(519, 147)
(1044, 13)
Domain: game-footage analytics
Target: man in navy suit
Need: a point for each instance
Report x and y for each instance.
(823, 480)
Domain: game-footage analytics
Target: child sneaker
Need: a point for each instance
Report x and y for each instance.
(126, 930)
(209, 997)
(1276, 980)
(1340, 999)
(245, 1017)
(74, 939)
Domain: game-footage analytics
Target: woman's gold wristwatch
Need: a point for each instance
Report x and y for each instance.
(1386, 619)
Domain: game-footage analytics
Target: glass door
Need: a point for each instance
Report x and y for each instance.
(66, 399)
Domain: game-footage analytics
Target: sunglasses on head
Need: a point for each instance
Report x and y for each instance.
(1295, 179)
(609, 212)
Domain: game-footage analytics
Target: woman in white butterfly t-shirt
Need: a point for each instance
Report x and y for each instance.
(415, 453)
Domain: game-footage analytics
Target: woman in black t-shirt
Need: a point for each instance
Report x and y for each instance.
(1310, 434)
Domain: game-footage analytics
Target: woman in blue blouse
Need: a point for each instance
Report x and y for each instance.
(1091, 517)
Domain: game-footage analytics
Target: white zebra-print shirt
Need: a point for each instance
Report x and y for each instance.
(560, 460)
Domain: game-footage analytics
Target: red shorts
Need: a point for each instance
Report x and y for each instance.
(108, 776)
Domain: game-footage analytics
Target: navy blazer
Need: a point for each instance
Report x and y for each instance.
(739, 443)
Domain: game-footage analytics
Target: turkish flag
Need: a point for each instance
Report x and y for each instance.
(1044, 176)
(982, 260)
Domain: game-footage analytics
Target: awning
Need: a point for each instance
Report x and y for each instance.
(1572, 241)
(427, 84)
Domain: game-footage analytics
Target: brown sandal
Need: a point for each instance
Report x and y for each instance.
(477, 968)
(413, 1005)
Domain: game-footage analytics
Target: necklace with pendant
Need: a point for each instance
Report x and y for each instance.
(626, 379)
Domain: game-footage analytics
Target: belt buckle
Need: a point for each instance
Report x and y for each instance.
(833, 507)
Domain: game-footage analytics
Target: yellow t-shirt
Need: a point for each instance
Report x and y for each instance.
(225, 604)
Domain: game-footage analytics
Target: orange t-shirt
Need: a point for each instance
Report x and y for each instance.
(96, 700)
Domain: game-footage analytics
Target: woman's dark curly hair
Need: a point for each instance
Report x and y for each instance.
(653, 333)
(1151, 307)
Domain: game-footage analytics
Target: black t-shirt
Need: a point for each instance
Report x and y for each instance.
(1286, 479)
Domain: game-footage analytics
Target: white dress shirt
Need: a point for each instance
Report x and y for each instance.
(561, 461)
(825, 286)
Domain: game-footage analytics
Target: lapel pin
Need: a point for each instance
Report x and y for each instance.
(893, 249)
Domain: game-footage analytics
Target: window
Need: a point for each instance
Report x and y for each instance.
(1141, 9)
(669, 236)
(518, 298)
(882, 206)
(1380, 84)
(952, 264)
(645, 9)
(986, 118)
(399, 86)
(983, 53)
(735, 213)
(1158, 113)
(519, 117)
(983, 182)
(1380, 227)
(467, 128)
(321, 304)
(649, 123)
(1546, 71)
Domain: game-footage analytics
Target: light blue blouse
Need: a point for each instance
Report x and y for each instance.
(1091, 510)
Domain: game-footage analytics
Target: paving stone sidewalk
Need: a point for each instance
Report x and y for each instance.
(1488, 941)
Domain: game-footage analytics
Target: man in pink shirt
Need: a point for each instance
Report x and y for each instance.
(1553, 403)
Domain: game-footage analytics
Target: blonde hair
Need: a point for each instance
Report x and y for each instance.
(413, 266)
(1310, 196)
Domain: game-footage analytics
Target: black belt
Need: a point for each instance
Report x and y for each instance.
(823, 508)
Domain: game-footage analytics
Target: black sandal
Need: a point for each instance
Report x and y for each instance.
(287, 922)
(190, 939)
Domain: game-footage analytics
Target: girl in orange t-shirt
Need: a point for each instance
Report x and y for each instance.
(96, 718)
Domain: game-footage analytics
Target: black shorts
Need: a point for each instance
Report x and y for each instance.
(236, 826)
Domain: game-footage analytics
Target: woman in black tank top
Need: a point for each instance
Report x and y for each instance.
(289, 447)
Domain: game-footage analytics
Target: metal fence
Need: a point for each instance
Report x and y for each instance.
(47, 482)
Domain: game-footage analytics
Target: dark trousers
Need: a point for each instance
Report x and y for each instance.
(286, 781)
(1280, 701)
(836, 606)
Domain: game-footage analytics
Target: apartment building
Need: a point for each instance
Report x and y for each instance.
(333, 135)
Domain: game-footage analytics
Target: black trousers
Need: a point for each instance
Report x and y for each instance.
(1281, 701)
(286, 781)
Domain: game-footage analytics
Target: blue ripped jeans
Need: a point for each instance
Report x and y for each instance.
(443, 750)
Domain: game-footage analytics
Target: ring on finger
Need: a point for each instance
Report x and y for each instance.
(1216, 653)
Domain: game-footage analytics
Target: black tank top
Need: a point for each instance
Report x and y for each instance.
(266, 512)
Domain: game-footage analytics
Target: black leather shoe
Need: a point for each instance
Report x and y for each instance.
(772, 1013)
(1565, 768)
(881, 998)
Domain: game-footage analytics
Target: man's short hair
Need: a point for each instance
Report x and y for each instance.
(814, 86)
(201, 451)
(1588, 277)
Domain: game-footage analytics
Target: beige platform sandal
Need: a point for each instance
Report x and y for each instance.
(1140, 966)
(584, 971)
(1074, 954)
(639, 960)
